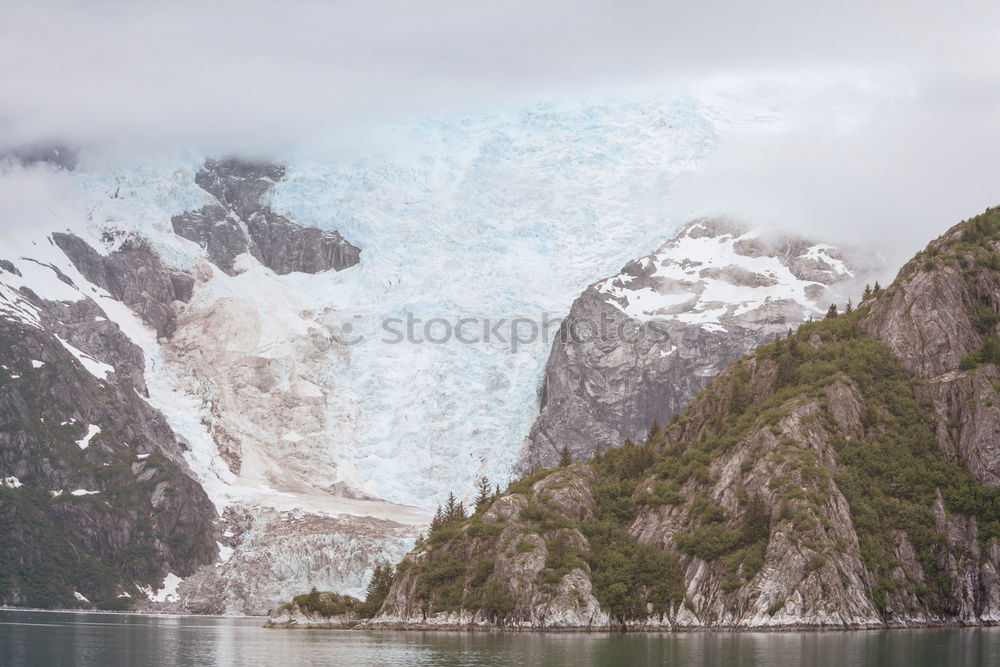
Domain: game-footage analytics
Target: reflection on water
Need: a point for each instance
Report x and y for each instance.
(42, 638)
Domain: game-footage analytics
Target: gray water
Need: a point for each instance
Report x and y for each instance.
(106, 640)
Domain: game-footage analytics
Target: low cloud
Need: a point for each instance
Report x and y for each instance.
(263, 74)
(894, 168)
(890, 109)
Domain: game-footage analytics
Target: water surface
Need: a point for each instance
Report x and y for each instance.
(107, 640)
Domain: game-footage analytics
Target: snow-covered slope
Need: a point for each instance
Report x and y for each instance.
(714, 271)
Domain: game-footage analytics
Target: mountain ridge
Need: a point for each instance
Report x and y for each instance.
(655, 333)
(807, 486)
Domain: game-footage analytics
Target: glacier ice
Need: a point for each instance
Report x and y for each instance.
(488, 215)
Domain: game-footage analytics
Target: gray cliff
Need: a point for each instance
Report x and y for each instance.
(638, 346)
(242, 222)
(97, 500)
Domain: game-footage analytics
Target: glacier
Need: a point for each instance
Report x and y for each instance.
(494, 215)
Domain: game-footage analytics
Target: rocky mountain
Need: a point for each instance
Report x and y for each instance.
(133, 393)
(97, 501)
(841, 476)
(239, 222)
(638, 346)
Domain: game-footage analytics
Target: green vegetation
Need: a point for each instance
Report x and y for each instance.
(987, 353)
(325, 604)
(329, 604)
(40, 565)
(891, 476)
(969, 247)
(96, 544)
(565, 458)
(377, 591)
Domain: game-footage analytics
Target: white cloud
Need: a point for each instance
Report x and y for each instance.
(892, 107)
(893, 167)
(238, 73)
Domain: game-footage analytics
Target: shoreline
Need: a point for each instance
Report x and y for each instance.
(467, 628)
(365, 626)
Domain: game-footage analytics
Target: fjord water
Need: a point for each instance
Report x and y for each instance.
(107, 640)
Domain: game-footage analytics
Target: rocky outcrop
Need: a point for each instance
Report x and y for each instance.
(104, 504)
(510, 561)
(942, 308)
(242, 222)
(133, 274)
(293, 617)
(637, 347)
(809, 485)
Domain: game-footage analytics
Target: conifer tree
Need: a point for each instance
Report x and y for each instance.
(654, 428)
(793, 346)
(380, 582)
(483, 485)
(831, 311)
(451, 508)
(868, 292)
(850, 307)
(565, 458)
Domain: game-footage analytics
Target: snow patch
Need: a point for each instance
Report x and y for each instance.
(80, 597)
(96, 368)
(11, 482)
(37, 364)
(92, 430)
(82, 492)
(225, 553)
(168, 593)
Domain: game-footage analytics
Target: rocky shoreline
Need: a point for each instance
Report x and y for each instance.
(309, 622)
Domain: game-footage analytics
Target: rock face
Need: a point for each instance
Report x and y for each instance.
(133, 274)
(828, 480)
(510, 563)
(98, 499)
(241, 222)
(942, 308)
(295, 618)
(637, 347)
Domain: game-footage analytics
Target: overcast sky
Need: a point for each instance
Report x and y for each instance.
(893, 108)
